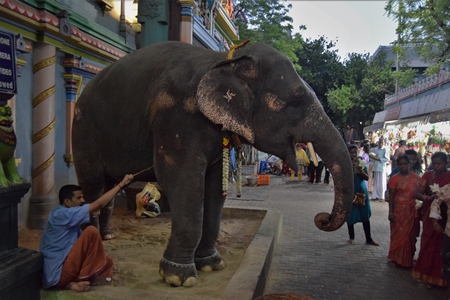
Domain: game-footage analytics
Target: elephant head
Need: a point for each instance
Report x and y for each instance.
(259, 95)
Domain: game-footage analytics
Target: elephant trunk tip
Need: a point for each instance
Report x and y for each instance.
(324, 222)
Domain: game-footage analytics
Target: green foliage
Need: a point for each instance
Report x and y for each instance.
(425, 24)
(321, 68)
(344, 99)
(268, 22)
(355, 102)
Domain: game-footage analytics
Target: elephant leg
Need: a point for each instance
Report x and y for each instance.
(92, 192)
(104, 219)
(185, 192)
(92, 182)
(207, 258)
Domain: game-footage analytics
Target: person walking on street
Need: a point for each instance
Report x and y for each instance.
(428, 267)
(359, 213)
(402, 210)
(302, 160)
(398, 152)
(379, 160)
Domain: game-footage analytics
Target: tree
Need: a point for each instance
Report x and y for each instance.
(321, 68)
(425, 24)
(267, 21)
(366, 83)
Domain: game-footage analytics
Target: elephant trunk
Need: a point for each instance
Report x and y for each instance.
(334, 153)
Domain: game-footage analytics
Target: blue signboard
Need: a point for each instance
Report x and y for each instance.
(7, 64)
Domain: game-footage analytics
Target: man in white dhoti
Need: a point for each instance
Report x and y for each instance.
(379, 157)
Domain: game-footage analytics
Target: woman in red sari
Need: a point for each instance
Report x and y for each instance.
(402, 206)
(429, 263)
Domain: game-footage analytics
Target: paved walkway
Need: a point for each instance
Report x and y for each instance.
(321, 264)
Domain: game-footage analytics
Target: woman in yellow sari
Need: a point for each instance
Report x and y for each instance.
(402, 190)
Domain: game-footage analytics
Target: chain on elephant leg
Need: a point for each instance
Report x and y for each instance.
(210, 263)
(177, 274)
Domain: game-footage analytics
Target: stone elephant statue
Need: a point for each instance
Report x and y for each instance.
(169, 105)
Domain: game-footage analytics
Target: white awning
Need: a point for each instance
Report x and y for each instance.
(373, 127)
(409, 122)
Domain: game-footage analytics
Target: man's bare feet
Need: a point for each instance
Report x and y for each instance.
(81, 286)
(350, 241)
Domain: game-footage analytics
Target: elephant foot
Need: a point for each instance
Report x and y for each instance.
(177, 274)
(210, 263)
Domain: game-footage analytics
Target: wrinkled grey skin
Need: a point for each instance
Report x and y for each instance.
(166, 106)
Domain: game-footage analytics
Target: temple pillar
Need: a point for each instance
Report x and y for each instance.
(43, 198)
(154, 19)
(186, 26)
(73, 83)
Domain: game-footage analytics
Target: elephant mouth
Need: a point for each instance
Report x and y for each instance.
(291, 160)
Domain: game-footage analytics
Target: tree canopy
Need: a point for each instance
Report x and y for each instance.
(425, 24)
(321, 68)
(367, 80)
(267, 21)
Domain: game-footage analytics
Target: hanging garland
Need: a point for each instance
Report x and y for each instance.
(225, 164)
(226, 146)
(239, 172)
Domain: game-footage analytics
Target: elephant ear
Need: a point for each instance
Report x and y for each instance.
(224, 95)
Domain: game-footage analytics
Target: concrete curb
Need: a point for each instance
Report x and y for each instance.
(249, 280)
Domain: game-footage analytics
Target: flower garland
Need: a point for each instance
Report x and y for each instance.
(239, 172)
(225, 164)
(226, 147)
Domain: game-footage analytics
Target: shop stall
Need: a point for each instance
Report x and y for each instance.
(425, 134)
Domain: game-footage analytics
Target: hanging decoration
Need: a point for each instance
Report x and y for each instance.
(239, 172)
(225, 164)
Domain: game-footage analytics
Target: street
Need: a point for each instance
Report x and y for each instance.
(321, 264)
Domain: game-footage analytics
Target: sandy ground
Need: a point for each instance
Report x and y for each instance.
(138, 248)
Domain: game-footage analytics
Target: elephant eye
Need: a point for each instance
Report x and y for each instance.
(295, 101)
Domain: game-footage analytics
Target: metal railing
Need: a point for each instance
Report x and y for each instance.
(420, 86)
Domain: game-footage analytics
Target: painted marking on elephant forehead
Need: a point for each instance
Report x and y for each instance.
(190, 104)
(229, 96)
(168, 160)
(162, 101)
(251, 72)
(273, 102)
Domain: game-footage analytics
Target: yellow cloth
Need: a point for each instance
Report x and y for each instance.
(302, 158)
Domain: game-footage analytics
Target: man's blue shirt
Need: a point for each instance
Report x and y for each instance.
(60, 233)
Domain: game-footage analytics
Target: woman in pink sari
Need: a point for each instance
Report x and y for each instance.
(402, 206)
(429, 263)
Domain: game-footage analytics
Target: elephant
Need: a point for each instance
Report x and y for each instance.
(166, 108)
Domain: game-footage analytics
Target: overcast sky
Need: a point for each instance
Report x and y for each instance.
(357, 26)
